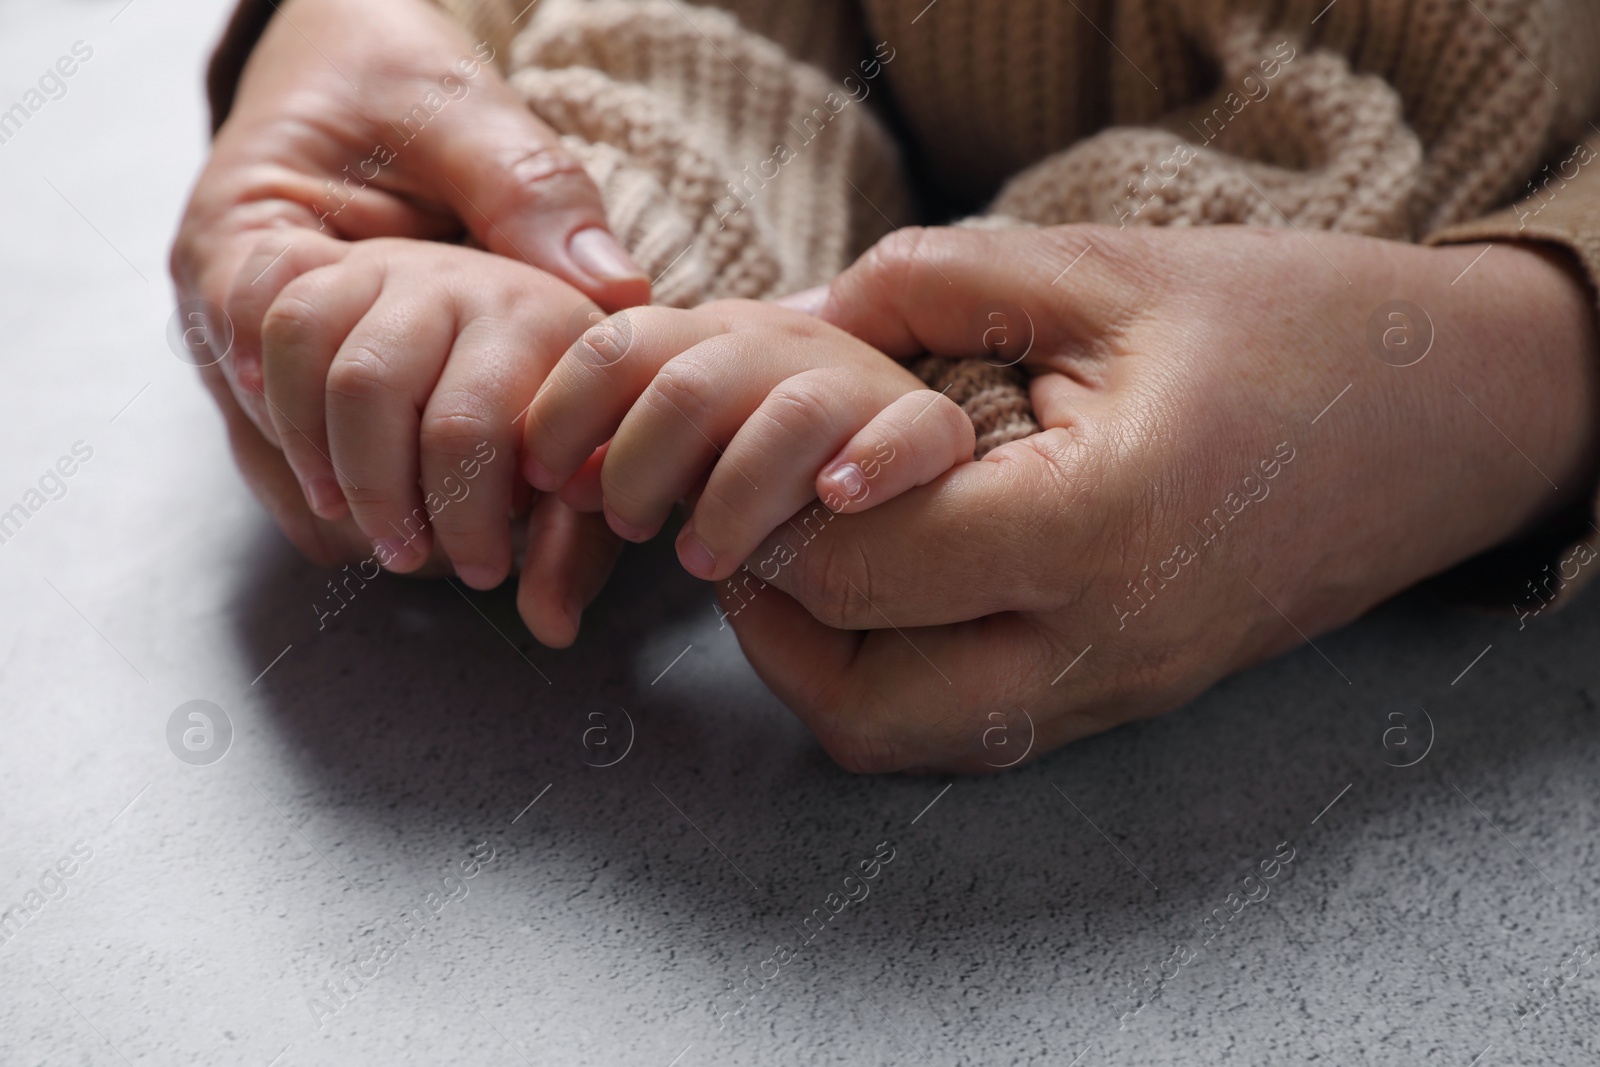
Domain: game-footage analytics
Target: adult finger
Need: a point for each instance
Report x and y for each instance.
(217, 235)
(920, 698)
(1004, 295)
(507, 176)
(978, 529)
(267, 474)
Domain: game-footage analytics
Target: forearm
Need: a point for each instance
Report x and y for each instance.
(1548, 357)
(1498, 418)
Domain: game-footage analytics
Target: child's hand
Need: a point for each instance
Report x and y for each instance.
(787, 408)
(396, 378)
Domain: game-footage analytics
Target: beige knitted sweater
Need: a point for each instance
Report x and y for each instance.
(744, 148)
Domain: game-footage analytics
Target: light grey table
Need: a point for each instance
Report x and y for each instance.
(209, 904)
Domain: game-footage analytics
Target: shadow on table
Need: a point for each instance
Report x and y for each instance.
(415, 721)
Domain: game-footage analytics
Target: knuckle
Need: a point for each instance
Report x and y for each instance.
(1069, 493)
(1052, 460)
(900, 247)
(835, 585)
(893, 262)
(290, 321)
(798, 409)
(606, 342)
(688, 387)
(359, 373)
(1133, 272)
(724, 308)
(951, 432)
(1112, 246)
(456, 427)
(391, 257)
(548, 172)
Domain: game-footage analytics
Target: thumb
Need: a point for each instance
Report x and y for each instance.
(505, 174)
(888, 701)
(981, 293)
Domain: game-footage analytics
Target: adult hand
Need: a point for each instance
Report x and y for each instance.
(367, 118)
(1229, 466)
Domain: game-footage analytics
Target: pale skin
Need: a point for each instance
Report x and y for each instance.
(388, 366)
(392, 362)
(755, 409)
(340, 350)
(484, 165)
(1166, 366)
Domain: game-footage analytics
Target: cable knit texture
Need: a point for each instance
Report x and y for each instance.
(681, 124)
(742, 151)
(729, 167)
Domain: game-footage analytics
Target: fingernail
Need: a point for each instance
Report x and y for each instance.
(478, 576)
(324, 496)
(810, 301)
(602, 255)
(539, 476)
(847, 478)
(695, 556)
(389, 551)
(626, 530)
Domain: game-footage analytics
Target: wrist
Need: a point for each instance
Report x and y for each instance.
(1473, 434)
(1540, 371)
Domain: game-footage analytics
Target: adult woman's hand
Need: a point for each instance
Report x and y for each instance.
(1247, 442)
(367, 118)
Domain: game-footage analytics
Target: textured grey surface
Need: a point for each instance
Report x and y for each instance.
(372, 758)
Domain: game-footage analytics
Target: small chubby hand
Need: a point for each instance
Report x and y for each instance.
(752, 409)
(396, 377)
(322, 141)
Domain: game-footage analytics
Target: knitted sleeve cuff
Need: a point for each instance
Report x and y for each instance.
(485, 20)
(1564, 210)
